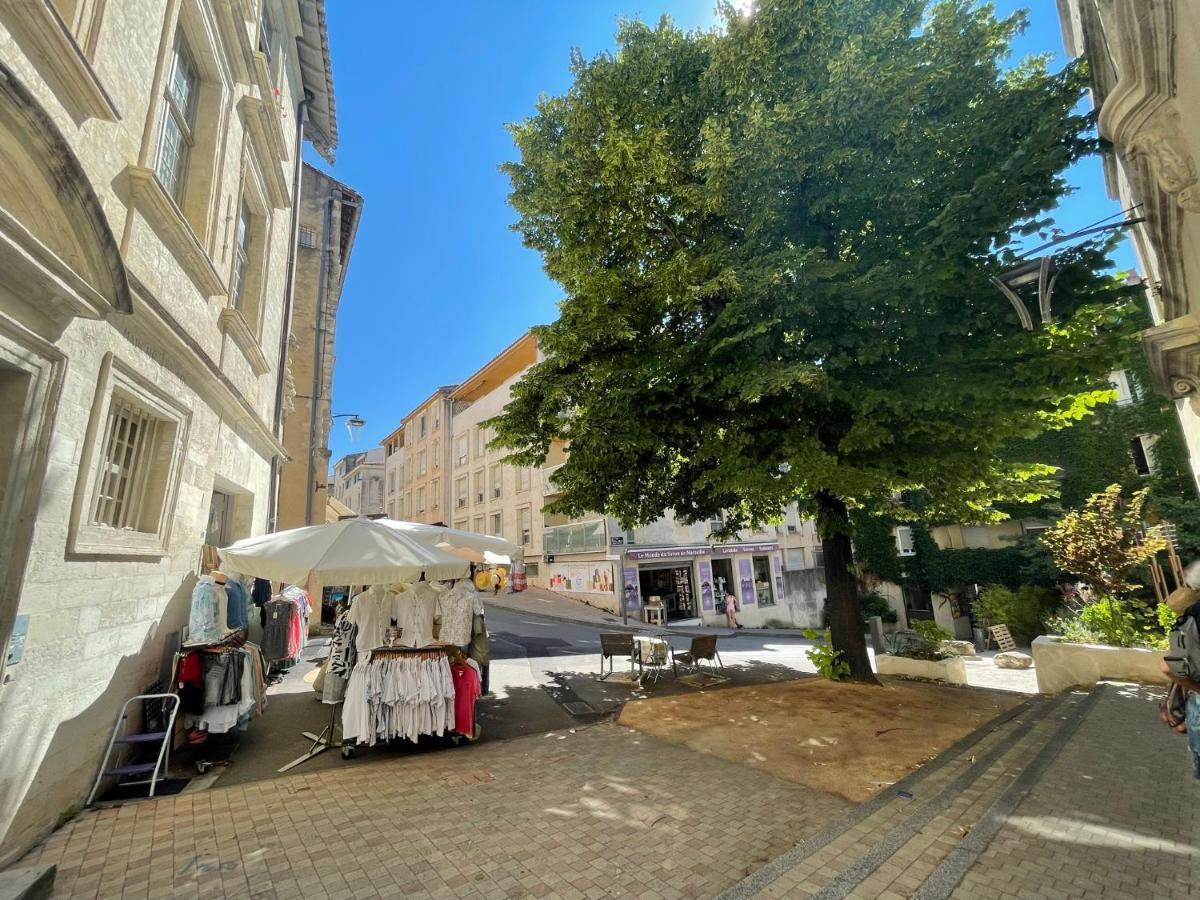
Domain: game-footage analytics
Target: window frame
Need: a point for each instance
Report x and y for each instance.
(119, 382)
(184, 120)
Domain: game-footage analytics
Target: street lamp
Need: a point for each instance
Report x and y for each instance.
(354, 423)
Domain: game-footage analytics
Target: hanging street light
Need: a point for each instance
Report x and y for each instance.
(354, 424)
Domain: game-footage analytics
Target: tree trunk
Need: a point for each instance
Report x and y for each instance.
(845, 621)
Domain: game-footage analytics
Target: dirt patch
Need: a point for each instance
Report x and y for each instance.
(846, 739)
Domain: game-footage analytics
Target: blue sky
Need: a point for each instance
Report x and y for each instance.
(437, 282)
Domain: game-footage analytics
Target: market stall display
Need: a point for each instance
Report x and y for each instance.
(396, 661)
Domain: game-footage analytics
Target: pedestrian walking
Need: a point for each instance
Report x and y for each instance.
(731, 610)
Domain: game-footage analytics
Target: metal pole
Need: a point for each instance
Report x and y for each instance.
(621, 581)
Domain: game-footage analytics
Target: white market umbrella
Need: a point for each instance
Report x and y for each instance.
(487, 548)
(352, 551)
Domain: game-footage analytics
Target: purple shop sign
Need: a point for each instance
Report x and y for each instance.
(778, 580)
(633, 594)
(706, 587)
(668, 552)
(731, 549)
(746, 574)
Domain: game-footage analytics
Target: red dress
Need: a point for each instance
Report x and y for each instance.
(466, 690)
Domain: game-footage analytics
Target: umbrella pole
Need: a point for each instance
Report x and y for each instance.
(320, 742)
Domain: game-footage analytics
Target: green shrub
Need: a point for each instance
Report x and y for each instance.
(828, 661)
(1116, 623)
(931, 631)
(874, 604)
(1024, 611)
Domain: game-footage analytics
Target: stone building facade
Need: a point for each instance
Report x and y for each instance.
(427, 433)
(149, 157)
(488, 496)
(1144, 58)
(393, 474)
(329, 214)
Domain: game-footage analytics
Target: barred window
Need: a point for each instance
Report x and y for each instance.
(125, 465)
(308, 237)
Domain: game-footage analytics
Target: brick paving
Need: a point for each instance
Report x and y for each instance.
(602, 812)
(1084, 796)
(1117, 814)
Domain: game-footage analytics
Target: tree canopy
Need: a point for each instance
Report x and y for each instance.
(775, 241)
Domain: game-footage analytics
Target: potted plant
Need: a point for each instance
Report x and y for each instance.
(1106, 630)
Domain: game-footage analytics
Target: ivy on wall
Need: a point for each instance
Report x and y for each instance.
(1090, 455)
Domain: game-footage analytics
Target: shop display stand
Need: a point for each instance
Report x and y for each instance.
(320, 742)
(349, 748)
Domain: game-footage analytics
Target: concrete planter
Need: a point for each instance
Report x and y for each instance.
(1060, 665)
(952, 670)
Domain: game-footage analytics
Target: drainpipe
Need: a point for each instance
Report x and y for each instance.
(318, 348)
(286, 326)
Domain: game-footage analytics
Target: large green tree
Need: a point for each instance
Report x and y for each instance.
(774, 241)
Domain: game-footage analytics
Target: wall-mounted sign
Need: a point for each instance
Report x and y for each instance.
(731, 549)
(669, 552)
(617, 540)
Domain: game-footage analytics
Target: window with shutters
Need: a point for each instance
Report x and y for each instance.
(460, 450)
(1141, 448)
(526, 526)
(497, 476)
(460, 492)
(479, 495)
(437, 451)
(904, 541)
(435, 492)
(522, 479)
(495, 525)
(129, 473)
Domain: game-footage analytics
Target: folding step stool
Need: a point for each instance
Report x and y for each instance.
(156, 770)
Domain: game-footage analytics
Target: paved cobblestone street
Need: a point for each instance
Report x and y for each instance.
(1082, 795)
(601, 812)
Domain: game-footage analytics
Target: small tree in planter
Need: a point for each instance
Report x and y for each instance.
(1104, 544)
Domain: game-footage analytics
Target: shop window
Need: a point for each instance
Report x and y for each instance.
(130, 472)
(526, 526)
(220, 514)
(522, 480)
(763, 592)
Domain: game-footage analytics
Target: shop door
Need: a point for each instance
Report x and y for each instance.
(674, 586)
(723, 582)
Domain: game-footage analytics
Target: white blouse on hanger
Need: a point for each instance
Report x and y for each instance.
(418, 605)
